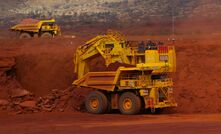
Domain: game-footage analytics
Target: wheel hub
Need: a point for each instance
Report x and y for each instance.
(127, 104)
(94, 103)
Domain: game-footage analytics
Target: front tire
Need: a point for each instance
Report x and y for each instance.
(96, 103)
(129, 103)
(46, 35)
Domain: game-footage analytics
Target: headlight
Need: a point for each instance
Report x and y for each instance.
(170, 90)
(144, 92)
(164, 58)
(132, 84)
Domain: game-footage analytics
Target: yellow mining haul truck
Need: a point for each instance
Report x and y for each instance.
(36, 28)
(147, 85)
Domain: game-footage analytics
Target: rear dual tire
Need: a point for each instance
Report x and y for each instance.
(96, 103)
(24, 36)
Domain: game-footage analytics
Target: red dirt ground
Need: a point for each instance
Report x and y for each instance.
(83, 123)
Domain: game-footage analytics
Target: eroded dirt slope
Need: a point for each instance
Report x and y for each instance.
(197, 81)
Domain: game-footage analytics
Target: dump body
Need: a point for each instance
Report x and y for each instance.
(97, 80)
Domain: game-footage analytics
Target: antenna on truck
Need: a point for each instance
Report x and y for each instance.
(173, 22)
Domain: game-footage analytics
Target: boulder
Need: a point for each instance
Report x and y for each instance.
(28, 104)
(19, 92)
(3, 102)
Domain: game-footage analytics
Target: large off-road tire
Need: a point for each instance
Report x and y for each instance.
(96, 103)
(129, 103)
(24, 36)
(46, 35)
